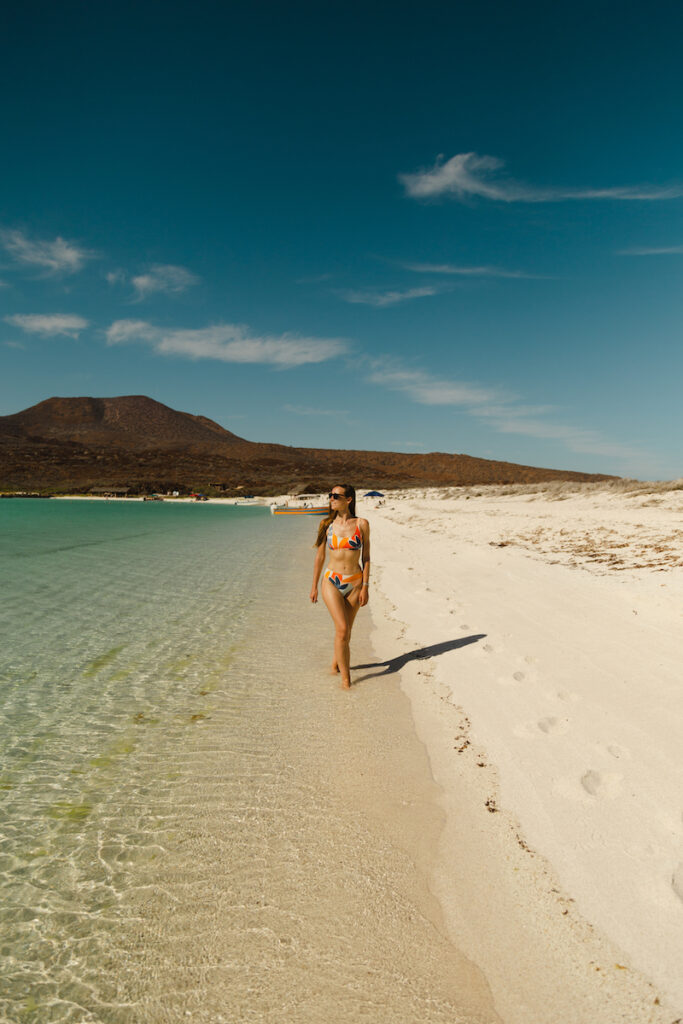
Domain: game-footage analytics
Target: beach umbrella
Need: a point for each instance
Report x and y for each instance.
(373, 494)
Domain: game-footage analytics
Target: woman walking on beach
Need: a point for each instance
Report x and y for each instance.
(345, 584)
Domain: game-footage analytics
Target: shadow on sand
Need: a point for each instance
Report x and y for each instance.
(421, 654)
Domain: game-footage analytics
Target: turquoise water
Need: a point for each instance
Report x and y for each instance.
(118, 623)
(195, 821)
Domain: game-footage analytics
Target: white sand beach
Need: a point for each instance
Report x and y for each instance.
(549, 699)
(538, 634)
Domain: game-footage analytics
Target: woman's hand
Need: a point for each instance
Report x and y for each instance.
(364, 596)
(314, 594)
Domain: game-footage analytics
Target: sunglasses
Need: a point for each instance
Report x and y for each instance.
(336, 495)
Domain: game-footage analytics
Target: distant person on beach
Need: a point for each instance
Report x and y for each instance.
(345, 583)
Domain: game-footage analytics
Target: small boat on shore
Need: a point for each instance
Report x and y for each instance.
(299, 510)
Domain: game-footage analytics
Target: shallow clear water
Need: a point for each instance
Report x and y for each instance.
(194, 820)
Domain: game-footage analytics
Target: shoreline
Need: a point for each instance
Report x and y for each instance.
(556, 780)
(233, 835)
(557, 803)
(256, 503)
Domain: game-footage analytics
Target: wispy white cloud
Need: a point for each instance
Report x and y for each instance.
(55, 257)
(466, 271)
(229, 343)
(468, 174)
(13, 344)
(380, 299)
(667, 250)
(165, 278)
(48, 325)
(116, 276)
(585, 442)
(427, 389)
(503, 411)
(121, 332)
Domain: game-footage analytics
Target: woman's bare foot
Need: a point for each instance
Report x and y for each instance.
(334, 668)
(346, 684)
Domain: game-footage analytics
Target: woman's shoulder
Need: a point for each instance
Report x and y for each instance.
(363, 523)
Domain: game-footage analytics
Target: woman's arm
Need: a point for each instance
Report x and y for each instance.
(317, 569)
(365, 593)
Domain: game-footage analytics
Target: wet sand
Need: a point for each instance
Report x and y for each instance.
(299, 845)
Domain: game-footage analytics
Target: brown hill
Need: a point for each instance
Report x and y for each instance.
(73, 444)
(131, 421)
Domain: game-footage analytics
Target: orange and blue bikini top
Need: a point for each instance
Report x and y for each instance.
(354, 542)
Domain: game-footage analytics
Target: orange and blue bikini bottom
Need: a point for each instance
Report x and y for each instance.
(344, 584)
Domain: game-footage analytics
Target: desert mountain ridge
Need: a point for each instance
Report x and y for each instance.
(65, 445)
(132, 421)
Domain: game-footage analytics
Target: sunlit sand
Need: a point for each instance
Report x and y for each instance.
(547, 692)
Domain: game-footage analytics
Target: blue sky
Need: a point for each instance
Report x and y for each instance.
(388, 226)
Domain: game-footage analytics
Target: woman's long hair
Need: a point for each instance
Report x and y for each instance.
(350, 492)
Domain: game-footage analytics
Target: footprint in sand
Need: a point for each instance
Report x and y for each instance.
(613, 750)
(464, 625)
(549, 726)
(603, 784)
(487, 648)
(677, 881)
(620, 753)
(568, 696)
(553, 725)
(516, 677)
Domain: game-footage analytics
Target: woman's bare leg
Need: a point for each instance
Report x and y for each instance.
(343, 612)
(336, 605)
(351, 609)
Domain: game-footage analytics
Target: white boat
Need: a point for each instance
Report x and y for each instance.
(299, 510)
